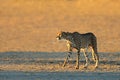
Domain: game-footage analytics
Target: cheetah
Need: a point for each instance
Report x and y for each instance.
(80, 42)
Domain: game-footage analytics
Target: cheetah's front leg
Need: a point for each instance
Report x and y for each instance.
(69, 53)
(66, 59)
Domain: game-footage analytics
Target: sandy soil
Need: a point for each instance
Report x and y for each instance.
(29, 50)
(13, 75)
(48, 66)
(43, 61)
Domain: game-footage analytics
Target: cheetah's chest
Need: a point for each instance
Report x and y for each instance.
(72, 43)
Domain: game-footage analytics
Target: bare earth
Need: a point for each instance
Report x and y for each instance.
(44, 61)
(58, 76)
(48, 66)
(29, 50)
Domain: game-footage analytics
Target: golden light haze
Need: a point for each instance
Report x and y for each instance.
(32, 25)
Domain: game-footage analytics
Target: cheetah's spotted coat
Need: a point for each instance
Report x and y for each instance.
(80, 41)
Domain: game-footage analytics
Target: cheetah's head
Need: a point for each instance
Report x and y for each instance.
(62, 35)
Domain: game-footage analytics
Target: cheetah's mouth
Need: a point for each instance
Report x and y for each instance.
(58, 38)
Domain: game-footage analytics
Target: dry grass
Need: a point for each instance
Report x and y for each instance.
(23, 24)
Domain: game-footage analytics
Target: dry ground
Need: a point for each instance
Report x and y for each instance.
(44, 61)
(14, 75)
(48, 66)
(28, 29)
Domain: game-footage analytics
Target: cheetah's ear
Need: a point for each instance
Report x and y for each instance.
(58, 33)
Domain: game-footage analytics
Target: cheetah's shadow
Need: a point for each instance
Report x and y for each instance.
(51, 58)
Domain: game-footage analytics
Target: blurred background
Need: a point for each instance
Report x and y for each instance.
(32, 25)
